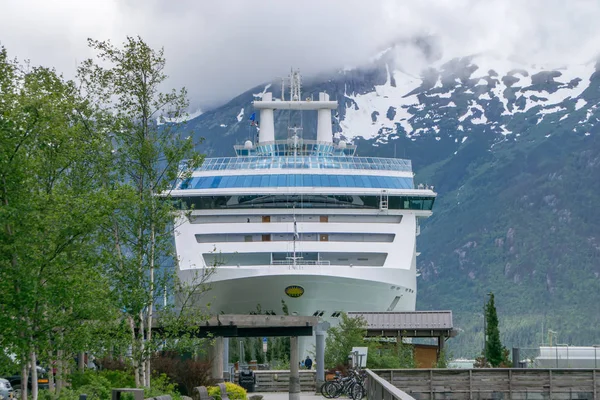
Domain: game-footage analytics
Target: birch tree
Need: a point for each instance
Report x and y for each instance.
(126, 82)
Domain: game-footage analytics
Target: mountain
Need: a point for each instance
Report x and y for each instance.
(513, 152)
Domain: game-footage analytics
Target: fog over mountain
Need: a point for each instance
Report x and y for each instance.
(219, 49)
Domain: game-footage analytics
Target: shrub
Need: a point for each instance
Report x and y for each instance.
(161, 385)
(92, 383)
(98, 385)
(113, 364)
(187, 374)
(341, 368)
(235, 392)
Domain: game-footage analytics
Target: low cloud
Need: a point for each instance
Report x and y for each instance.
(219, 49)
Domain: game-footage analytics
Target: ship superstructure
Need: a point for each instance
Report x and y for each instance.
(302, 220)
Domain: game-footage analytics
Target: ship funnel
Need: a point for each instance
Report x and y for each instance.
(266, 123)
(324, 131)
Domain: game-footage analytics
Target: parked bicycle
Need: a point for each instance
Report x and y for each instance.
(352, 385)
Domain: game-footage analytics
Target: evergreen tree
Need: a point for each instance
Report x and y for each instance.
(493, 347)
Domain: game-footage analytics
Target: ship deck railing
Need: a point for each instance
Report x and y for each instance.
(301, 262)
(306, 162)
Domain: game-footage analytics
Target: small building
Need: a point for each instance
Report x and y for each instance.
(436, 325)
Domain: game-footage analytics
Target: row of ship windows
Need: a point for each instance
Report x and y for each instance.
(301, 237)
(241, 258)
(298, 180)
(368, 202)
(256, 218)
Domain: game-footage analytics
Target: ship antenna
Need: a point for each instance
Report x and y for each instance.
(295, 85)
(282, 89)
(295, 235)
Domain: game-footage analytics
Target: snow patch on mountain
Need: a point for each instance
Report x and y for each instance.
(240, 116)
(472, 91)
(482, 118)
(580, 104)
(550, 110)
(183, 118)
(260, 95)
(358, 120)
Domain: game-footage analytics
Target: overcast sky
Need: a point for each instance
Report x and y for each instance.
(219, 48)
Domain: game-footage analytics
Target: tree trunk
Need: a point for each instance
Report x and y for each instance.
(141, 360)
(59, 371)
(51, 383)
(151, 303)
(81, 361)
(24, 379)
(34, 376)
(133, 353)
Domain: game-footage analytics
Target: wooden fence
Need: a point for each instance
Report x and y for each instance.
(380, 389)
(496, 384)
(279, 381)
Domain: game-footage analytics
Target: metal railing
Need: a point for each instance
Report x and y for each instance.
(301, 262)
(380, 389)
(305, 162)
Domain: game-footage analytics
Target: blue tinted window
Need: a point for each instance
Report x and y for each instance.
(225, 182)
(299, 180)
(365, 180)
(203, 183)
(308, 180)
(216, 181)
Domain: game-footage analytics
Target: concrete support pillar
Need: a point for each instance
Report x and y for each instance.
(294, 369)
(267, 122)
(320, 358)
(324, 131)
(226, 358)
(215, 355)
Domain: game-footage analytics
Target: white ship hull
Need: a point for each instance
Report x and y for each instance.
(325, 289)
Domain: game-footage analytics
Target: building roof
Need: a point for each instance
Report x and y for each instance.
(412, 323)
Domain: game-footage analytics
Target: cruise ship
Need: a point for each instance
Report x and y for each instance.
(302, 222)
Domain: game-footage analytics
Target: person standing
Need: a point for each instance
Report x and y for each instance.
(308, 362)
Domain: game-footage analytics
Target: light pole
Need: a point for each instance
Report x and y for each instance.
(484, 336)
(485, 332)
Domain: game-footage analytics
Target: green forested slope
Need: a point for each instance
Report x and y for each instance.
(518, 193)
